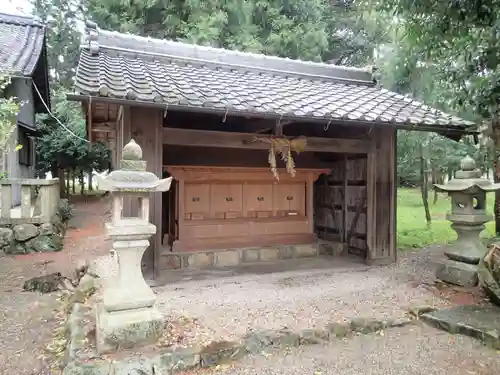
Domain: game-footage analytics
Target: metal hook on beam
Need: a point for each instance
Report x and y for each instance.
(327, 126)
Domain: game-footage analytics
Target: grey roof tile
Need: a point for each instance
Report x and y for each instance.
(122, 65)
(21, 43)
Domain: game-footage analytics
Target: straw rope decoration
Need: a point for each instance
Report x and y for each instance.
(284, 147)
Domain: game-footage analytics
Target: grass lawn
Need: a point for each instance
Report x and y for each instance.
(412, 227)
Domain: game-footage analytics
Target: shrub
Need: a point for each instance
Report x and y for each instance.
(65, 210)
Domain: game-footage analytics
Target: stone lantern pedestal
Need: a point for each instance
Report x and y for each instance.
(127, 317)
(468, 216)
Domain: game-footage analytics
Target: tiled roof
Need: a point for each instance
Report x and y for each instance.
(21, 43)
(124, 66)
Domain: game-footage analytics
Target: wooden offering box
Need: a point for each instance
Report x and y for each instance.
(222, 208)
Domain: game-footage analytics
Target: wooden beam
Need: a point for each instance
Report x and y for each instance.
(207, 138)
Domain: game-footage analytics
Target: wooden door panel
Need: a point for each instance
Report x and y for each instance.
(258, 199)
(234, 195)
(197, 200)
(289, 199)
(226, 200)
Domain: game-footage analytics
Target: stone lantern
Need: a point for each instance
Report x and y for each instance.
(127, 317)
(468, 216)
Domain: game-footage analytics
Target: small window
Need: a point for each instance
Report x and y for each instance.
(25, 153)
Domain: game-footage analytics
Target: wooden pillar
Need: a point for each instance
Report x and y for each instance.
(381, 197)
(123, 136)
(345, 217)
(310, 201)
(144, 125)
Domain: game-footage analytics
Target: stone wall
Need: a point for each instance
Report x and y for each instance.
(235, 257)
(31, 238)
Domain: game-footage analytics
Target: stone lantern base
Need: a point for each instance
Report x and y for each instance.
(457, 273)
(127, 329)
(462, 257)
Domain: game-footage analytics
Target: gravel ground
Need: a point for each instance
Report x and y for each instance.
(223, 306)
(27, 319)
(227, 308)
(411, 350)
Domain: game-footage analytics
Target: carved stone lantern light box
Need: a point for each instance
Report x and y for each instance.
(468, 216)
(127, 316)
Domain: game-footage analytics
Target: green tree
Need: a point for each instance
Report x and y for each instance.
(63, 38)
(61, 150)
(316, 30)
(457, 42)
(63, 147)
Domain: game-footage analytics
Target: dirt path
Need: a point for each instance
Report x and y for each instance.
(27, 319)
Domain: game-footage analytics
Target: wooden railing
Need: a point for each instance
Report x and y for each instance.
(40, 208)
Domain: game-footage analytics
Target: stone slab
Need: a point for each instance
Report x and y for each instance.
(250, 255)
(287, 252)
(200, 260)
(269, 254)
(479, 321)
(457, 273)
(227, 258)
(127, 329)
(305, 251)
(219, 352)
(243, 256)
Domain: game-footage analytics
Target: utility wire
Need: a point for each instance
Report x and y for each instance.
(55, 118)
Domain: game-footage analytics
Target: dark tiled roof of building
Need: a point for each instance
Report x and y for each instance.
(22, 41)
(180, 75)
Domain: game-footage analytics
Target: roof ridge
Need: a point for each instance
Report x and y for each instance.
(96, 38)
(21, 20)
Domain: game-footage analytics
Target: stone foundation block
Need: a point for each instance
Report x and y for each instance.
(220, 352)
(250, 255)
(103, 368)
(176, 360)
(200, 260)
(141, 366)
(306, 251)
(170, 261)
(457, 273)
(227, 258)
(269, 254)
(127, 329)
(286, 252)
(332, 248)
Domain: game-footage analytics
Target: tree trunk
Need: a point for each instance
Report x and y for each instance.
(82, 183)
(434, 181)
(424, 186)
(68, 178)
(73, 180)
(91, 188)
(496, 174)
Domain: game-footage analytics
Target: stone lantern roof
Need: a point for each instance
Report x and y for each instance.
(132, 176)
(467, 179)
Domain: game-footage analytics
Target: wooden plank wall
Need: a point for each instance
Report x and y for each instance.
(338, 197)
(381, 197)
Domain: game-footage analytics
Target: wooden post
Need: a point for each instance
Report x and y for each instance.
(345, 217)
(381, 197)
(310, 202)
